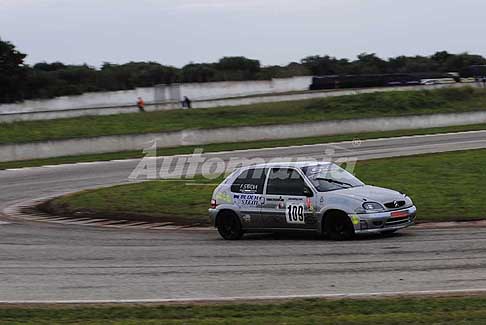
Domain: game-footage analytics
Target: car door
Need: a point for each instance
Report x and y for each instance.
(247, 190)
(289, 201)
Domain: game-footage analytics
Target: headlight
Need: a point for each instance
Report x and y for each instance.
(373, 206)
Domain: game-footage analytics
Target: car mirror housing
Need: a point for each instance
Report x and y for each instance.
(308, 192)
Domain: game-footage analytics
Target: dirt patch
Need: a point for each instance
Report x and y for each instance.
(64, 210)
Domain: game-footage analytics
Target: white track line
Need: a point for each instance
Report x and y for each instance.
(342, 142)
(261, 298)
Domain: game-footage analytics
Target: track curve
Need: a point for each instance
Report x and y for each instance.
(62, 263)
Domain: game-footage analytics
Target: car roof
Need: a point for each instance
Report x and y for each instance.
(299, 164)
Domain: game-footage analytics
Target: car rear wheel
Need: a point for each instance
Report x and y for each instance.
(339, 227)
(229, 226)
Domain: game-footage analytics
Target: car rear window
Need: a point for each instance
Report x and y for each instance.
(250, 181)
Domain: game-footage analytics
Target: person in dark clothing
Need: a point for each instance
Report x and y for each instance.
(186, 102)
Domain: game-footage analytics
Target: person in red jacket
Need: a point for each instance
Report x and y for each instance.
(141, 104)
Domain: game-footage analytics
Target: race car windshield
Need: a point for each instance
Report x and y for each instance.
(330, 177)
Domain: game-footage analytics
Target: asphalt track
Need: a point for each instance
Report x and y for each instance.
(60, 263)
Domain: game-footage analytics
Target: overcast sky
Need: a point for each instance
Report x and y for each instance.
(176, 32)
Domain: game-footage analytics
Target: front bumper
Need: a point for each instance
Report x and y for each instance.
(369, 223)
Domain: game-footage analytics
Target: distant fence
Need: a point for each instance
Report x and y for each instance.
(160, 93)
(105, 144)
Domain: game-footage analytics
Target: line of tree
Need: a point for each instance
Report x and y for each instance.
(19, 81)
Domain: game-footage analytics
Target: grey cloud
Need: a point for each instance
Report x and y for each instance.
(275, 31)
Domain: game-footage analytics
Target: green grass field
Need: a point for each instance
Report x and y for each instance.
(451, 310)
(239, 146)
(399, 103)
(445, 186)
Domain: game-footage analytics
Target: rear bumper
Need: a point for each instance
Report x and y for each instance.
(212, 216)
(383, 221)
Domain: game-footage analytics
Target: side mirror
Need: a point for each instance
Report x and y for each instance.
(308, 192)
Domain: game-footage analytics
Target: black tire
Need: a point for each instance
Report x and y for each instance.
(388, 232)
(229, 226)
(339, 227)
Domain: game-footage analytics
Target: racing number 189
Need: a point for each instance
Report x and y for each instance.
(295, 213)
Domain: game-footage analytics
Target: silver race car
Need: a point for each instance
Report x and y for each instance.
(319, 197)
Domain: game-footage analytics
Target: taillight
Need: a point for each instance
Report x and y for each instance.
(213, 204)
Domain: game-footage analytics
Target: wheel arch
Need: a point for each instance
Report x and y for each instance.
(325, 215)
(222, 212)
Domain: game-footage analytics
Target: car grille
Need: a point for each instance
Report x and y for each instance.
(396, 221)
(395, 204)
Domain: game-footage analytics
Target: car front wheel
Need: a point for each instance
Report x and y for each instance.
(339, 227)
(229, 226)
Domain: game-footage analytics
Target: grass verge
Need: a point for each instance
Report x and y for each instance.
(437, 310)
(400, 103)
(444, 187)
(238, 146)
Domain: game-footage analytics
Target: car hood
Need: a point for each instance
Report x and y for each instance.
(371, 193)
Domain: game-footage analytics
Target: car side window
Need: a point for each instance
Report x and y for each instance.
(285, 181)
(250, 181)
